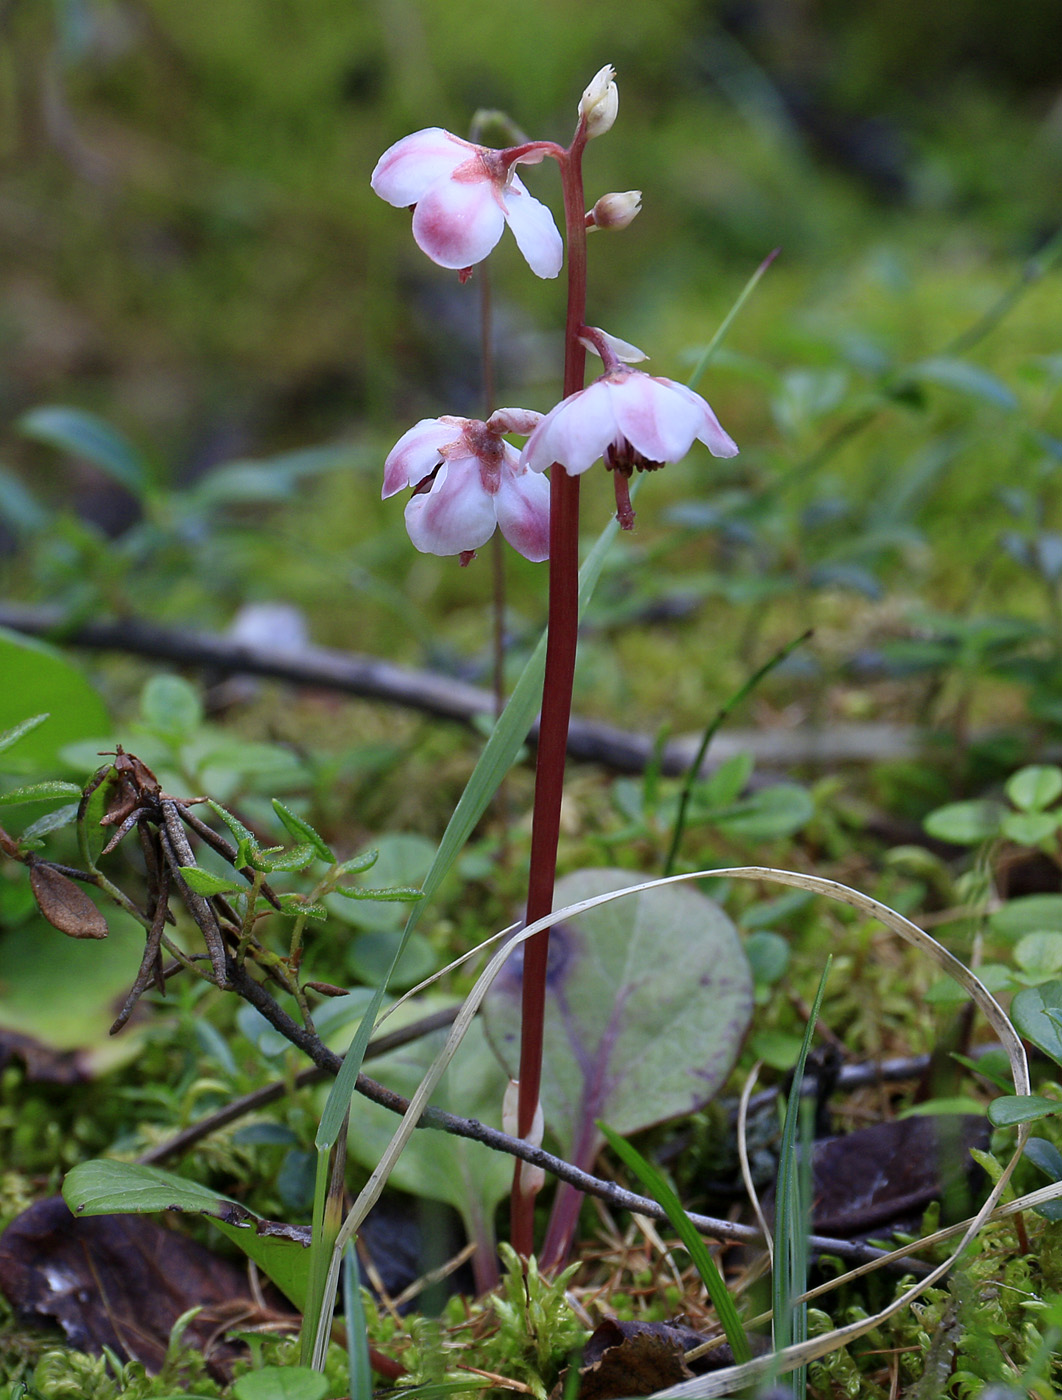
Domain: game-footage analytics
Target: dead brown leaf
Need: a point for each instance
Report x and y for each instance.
(64, 904)
(121, 1281)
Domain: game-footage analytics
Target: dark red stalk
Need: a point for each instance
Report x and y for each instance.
(562, 635)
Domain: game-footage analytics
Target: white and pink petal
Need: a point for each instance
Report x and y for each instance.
(418, 452)
(407, 170)
(656, 422)
(457, 223)
(534, 230)
(456, 515)
(522, 506)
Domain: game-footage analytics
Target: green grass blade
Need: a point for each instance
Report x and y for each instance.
(657, 1186)
(789, 1278)
(693, 772)
(357, 1333)
(728, 320)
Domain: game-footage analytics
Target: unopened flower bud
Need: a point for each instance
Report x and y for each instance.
(532, 1179)
(615, 210)
(600, 103)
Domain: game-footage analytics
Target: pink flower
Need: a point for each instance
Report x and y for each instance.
(464, 195)
(466, 481)
(632, 420)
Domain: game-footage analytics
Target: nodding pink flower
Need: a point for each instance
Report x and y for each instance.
(467, 481)
(464, 195)
(631, 419)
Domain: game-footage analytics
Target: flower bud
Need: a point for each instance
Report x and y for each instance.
(532, 1179)
(615, 210)
(600, 103)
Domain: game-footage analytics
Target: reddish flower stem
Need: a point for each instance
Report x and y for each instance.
(562, 635)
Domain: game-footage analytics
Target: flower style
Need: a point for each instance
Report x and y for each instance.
(466, 481)
(632, 419)
(464, 195)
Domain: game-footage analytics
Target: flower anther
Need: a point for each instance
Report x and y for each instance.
(464, 195)
(468, 481)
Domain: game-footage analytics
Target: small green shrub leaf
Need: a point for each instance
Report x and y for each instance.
(303, 831)
(1021, 1108)
(12, 736)
(206, 883)
(38, 792)
(106, 1187)
(965, 823)
(84, 435)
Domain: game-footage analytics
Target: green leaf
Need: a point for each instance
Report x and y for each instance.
(768, 815)
(1036, 787)
(965, 823)
(657, 1186)
(727, 783)
(19, 507)
(1029, 914)
(171, 707)
(39, 792)
(1040, 953)
(357, 865)
(1021, 1108)
(247, 849)
(38, 679)
(106, 1187)
(768, 955)
(51, 821)
(294, 904)
(12, 736)
(1030, 828)
(394, 895)
(84, 435)
(1035, 1012)
(303, 831)
(281, 1383)
(966, 378)
(204, 882)
(403, 861)
(629, 982)
(297, 858)
(370, 957)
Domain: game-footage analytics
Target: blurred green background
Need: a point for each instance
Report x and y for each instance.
(191, 250)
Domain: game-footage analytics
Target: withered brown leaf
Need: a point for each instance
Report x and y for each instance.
(65, 905)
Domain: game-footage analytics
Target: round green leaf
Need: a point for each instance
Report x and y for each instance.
(1036, 787)
(281, 1383)
(1029, 828)
(369, 958)
(648, 1000)
(1037, 1013)
(39, 679)
(1039, 953)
